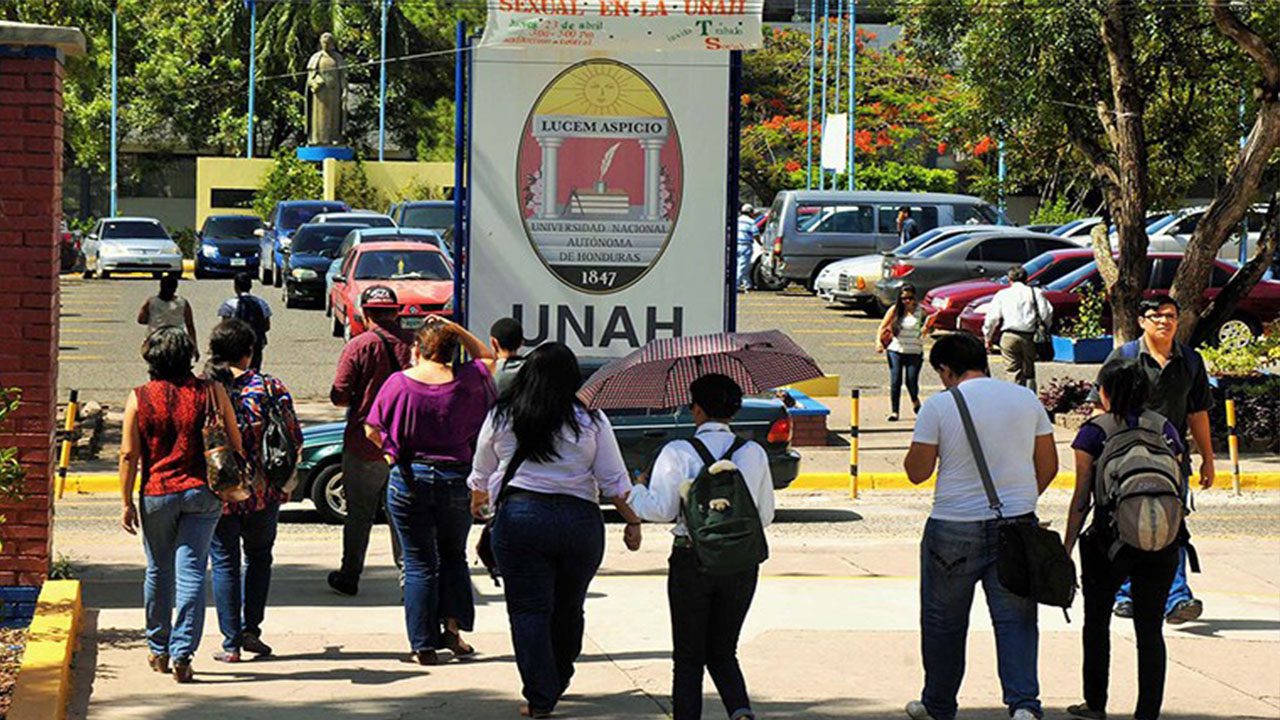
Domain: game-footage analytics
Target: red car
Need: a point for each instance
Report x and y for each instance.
(1260, 307)
(947, 302)
(419, 273)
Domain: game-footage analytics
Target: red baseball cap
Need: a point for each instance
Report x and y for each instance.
(379, 296)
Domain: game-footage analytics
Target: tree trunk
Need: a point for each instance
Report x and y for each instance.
(1236, 194)
(1242, 282)
(1127, 201)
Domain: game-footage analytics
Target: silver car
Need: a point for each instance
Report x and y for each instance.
(130, 244)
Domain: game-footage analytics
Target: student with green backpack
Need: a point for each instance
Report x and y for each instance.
(718, 490)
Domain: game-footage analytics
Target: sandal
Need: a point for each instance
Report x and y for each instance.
(526, 711)
(158, 663)
(454, 643)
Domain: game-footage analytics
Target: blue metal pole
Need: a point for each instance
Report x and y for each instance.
(813, 40)
(115, 109)
(253, 64)
(1244, 226)
(382, 84)
(853, 100)
(1000, 174)
(459, 152)
(826, 38)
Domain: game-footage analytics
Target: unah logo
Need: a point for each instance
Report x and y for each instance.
(600, 176)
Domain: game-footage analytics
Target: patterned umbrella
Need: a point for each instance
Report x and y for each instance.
(658, 375)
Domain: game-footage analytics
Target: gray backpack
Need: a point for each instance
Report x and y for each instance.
(1138, 483)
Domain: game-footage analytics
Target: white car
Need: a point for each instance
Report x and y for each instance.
(130, 244)
(366, 217)
(1171, 233)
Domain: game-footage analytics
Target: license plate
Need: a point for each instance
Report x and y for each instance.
(411, 323)
(238, 262)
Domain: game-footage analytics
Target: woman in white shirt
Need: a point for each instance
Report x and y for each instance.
(543, 461)
(901, 335)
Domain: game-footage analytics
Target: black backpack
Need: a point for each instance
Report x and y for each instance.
(279, 451)
(250, 311)
(721, 516)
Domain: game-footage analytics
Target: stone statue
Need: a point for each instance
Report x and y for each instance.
(326, 86)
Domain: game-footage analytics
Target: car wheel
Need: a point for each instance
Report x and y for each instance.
(874, 309)
(200, 273)
(767, 278)
(263, 275)
(104, 274)
(1236, 332)
(157, 275)
(87, 274)
(337, 326)
(328, 306)
(277, 278)
(812, 283)
(328, 495)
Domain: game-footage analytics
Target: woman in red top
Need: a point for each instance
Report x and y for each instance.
(163, 434)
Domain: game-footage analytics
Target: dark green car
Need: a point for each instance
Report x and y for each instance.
(641, 434)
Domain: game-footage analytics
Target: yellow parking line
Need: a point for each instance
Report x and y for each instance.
(85, 331)
(818, 331)
(852, 344)
(78, 343)
(80, 358)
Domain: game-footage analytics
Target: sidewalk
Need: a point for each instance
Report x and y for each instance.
(832, 634)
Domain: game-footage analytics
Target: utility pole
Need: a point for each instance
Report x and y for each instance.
(853, 101)
(382, 83)
(813, 39)
(822, 169)
(115, 105)
(251, 6)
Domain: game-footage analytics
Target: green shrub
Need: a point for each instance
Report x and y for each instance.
(1058, 212)
(898, 176)
(289, 179)
(12, 475)
(185, 237)
(354, 188)
(1088, 323)
(1244, 359)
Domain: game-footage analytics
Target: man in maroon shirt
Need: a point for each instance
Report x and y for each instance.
(367, 361)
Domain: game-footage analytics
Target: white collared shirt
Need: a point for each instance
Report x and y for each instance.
(1014, 309)
(679, 462)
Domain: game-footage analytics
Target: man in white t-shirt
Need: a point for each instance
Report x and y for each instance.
(961, 537)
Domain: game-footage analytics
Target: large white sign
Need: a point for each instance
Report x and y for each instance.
(626, 24)
(598, 201)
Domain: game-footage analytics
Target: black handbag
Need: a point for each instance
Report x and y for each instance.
(484, 546)
(1041, 338)
(1031, 560)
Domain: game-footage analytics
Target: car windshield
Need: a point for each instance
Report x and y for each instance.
(232, 228)
(292, 217)
(1162, 223)
(1064, 229)
(133, 230)
(370, 220)
(320, 239)
(402, 265)
(431, 218)
(1066, 282)
(941, 246)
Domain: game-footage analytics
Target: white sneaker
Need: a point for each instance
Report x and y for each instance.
(1024, 714)
(917, 711)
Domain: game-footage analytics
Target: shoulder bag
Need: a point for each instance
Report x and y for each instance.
(1031, 561)
(224, 469)
(1040, 335)
(484, 546)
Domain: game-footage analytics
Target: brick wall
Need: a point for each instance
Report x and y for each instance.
(30, 211)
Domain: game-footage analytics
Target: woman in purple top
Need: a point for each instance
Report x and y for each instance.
(426, 420)
(556, 458)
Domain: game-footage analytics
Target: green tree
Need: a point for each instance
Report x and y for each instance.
(288, 179)
(1142, 95)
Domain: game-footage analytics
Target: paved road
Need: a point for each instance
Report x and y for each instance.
(99, 338)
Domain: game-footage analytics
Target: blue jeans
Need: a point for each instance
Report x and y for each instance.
(176, 530)
(548, 548)
(240, 591)
(1180, 591)
(900, 365)
(954, 558)
(430, 511)
(744, 264)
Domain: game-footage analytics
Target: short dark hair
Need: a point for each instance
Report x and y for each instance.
(229, 342)
(905, 209)
(169, 352)
(718, 396)
(1017, 273)
(1126, 385)
(243, 283)
(959, 352)
(1155, 302)
(509, 334)
(168, 287)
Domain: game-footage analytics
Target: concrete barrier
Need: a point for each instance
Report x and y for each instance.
(44, 679)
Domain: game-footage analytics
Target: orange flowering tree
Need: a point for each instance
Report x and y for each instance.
(906, 114)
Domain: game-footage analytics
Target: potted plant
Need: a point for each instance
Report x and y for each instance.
(1245, 372)
(1067, 402)
(1085, 340)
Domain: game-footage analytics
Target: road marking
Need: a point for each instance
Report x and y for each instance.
(817, 331)
(77, 343)
(85, 331)
(81, 358)
(851, 344)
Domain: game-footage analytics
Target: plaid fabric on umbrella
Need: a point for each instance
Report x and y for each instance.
(658, 375)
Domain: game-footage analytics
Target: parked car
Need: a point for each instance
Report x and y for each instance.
(1260, 307)
(964, 257)
(378, 234)
(947, 302)
(69, 253)
(315, 246)
(435, 215)
(853, 281)
(1078, 228)
(419, 273)
(287, 217)
(641, 434)
(1172, 232)
(130, 244)
(226, 245)
(364, 218)
(810, 229)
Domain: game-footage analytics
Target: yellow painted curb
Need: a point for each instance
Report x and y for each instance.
(44, 679)
(92, 483)
(826, 386)
(899, 481)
